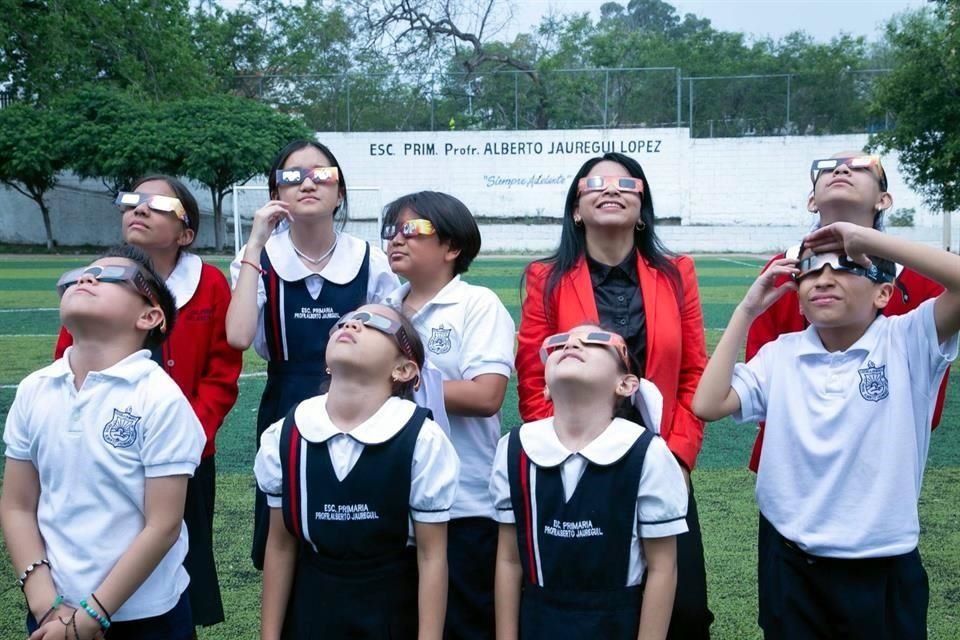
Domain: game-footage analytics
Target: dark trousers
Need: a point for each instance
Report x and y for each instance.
(691, 617)
(804, 596)
(176, 624)
(204, 588)
(471, 560)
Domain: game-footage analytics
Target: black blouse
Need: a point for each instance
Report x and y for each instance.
(616, 291)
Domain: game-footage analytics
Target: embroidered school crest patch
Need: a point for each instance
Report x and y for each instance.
(121, 431)
(439, 340)
(873, 382)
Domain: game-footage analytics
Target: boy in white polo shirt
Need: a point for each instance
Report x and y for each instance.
(99, 448)
(847, 405)
(469, 336)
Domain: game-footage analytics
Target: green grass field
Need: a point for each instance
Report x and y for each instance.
(29, 321)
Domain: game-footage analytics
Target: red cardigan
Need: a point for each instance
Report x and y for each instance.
(784, 316)
(196, 354)
(676, 348)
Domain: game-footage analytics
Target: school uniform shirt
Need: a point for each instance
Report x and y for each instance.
(467, 332)
(433, 483)
(847, 433)
(784, 316)
(661, 503)
(342, 268)
(93, 450)
(196, 353)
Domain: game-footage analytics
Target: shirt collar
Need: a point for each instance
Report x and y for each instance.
(450, 294)
(810, 343)
(185, 278)
(132, 368)
(540, 441)
(315, 425)
(628, 266)
(343, 266)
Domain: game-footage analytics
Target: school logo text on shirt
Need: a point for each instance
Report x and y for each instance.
(121, 431)
(873, 382)
(341, 512)
(439, 340)
(575, 529)
(316, 313)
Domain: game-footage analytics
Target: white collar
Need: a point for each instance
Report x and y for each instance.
(449, 294)
(648, 400)
(810, 343)
(342, 268)
(314, 423)
(132, 368)
(540, 441)
(185, 278)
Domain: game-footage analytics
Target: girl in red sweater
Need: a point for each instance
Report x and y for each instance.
(161, 216)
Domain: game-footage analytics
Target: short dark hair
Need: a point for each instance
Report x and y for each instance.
(340, 213)
(451, 218)
(165, 298)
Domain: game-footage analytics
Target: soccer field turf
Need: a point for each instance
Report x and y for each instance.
(29, 321)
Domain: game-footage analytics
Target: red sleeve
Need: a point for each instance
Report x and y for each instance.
(64, 340)
(765, 327)
(534, 327)
(216, 390)
(685, 436)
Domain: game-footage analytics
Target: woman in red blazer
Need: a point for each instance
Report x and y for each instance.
(611, 269)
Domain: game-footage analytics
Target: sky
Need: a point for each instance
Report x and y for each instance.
(822, 19)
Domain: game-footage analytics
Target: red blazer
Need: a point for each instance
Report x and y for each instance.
(784, 316)
(196, 354)
(676, 348)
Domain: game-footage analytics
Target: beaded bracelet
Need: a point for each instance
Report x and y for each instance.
(254, 265)
(21, 581)
(93, 613)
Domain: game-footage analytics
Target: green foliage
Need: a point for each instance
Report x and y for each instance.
(922, 97)
(901, 217)
(145, 46)
(224, 140)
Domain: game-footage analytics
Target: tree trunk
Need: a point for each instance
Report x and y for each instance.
(45, 211)
(217, 198)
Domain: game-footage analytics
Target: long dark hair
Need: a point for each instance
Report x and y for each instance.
(340, 213)
(573, 237)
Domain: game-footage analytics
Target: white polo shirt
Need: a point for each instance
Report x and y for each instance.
(661, 504)
(467, 332)
(343, 267)
(847, 433)
(433, 477)
(93, 450)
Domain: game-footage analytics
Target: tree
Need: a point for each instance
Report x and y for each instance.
(922, 96)
(51, 46)
(221, 141)
(31, 155)
(111, 135)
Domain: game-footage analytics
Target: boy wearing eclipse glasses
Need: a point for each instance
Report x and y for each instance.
(847, 187)
(847, 404)
(99, 447)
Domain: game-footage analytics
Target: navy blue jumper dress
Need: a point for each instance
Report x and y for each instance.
(576, 555)
(355, 577)
(297, 328)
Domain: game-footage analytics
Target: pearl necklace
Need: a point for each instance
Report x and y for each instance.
(316, 261)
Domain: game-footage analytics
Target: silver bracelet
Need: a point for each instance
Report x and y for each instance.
(26, 572)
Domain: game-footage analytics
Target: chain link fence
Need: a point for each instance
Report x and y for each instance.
(711, 106)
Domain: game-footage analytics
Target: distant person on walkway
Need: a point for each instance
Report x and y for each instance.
(611, 269)
(161, 217)
(293, 280)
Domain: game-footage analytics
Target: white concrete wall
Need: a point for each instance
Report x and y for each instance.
(729, 194)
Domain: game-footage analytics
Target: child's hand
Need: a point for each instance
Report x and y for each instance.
(844, 238)
(764, 291)
(265, 220)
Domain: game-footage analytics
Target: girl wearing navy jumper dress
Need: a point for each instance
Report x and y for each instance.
(293, 280)
(196, 355)
(360, 483)
(589, 504)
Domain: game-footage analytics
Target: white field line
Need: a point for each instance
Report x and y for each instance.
(741, 263)
(31, 309)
